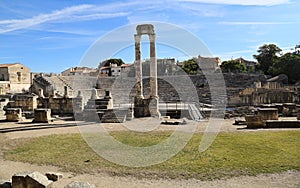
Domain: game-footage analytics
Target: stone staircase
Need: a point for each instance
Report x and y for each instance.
(101, 110)
(195, 113)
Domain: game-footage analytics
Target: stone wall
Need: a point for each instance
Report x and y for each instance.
(172, 88)
(61, 106)
(25, 101)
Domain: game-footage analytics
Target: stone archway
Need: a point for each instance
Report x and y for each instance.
(146, 107)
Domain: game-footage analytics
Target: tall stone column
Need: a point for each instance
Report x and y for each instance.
(138, 66)
(153, 106)
(153, 67)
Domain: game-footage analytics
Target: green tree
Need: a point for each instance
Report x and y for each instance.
(289, 64)
(233, 66)
(190, 66)
(108, 62)
(267, 57)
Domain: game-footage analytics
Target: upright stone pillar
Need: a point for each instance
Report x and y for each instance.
(138, 66)
(153, 67)
(153, 106)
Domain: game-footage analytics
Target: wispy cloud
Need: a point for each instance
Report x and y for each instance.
(9, 57)
(68, 14)
(258, 23)
(241, 2)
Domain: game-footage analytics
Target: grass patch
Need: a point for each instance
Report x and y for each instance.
(231, 154)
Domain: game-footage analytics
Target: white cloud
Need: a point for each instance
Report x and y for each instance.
(68, 14)
(258, 23)
(241, 2)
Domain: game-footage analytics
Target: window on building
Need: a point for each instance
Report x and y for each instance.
(19, 76)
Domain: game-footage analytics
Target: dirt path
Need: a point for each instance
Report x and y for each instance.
(290, 179)
(24, 130)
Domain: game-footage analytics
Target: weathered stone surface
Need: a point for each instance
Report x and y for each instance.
(37, 180)
(76, 184)
(42, 115)
(146, 107)
(254, 122)
(298, 116)
(282, 124)
(268, 113)
(53, 176)
(13, 114)
(30, 180)
(18, 180)
(5, 184)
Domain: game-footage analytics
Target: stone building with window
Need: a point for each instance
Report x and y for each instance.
(14, 78)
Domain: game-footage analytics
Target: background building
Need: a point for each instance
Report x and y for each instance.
(14, 78)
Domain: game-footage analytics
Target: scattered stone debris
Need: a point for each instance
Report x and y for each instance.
(38, 180)
(31, 179)
(168, 121)
(53, 176)
(240, 121)
(5, 184)
(76, 184)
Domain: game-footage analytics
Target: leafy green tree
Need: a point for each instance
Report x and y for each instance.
(108, 62)
(289, 64)
(267, 57)
(190, 66)
(233, 66)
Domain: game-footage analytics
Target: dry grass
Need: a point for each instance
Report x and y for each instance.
(231, 154)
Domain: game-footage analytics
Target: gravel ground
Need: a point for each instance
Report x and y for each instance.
(26, 129)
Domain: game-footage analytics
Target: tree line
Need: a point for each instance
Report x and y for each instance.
(271, 61)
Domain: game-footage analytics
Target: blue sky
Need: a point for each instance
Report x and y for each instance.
(50, 36)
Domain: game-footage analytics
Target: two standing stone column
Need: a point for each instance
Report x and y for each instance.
(152, 102)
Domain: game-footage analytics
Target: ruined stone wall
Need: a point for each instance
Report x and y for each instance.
(175, 87)
(257, 96)
(26, 102)
(60, 106)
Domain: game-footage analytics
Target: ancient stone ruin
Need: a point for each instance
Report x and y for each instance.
(38, 180)
(145, 107)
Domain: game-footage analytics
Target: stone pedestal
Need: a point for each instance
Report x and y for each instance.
(268, 113)
(254, 122)
(298, 116)
(42, 115)
(13, 114)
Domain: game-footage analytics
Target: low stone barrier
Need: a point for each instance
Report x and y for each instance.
(13, 114)
(254, 122)
(38, 180)
(42, 115)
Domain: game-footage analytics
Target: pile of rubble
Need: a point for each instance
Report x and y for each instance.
(38, 180)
